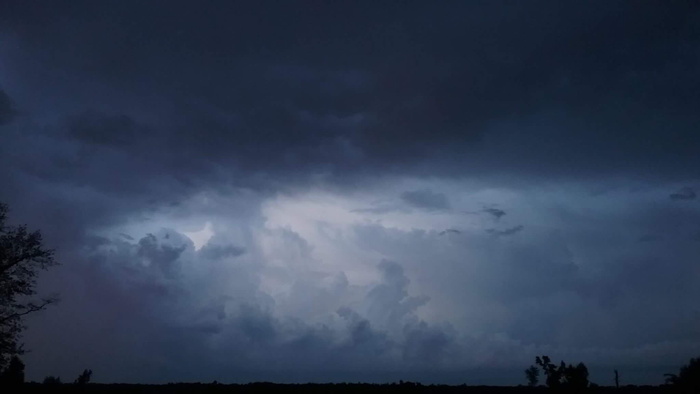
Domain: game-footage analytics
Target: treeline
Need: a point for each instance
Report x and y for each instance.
(560, 378)
(330, 388)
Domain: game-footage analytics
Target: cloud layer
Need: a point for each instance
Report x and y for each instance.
(389, 191)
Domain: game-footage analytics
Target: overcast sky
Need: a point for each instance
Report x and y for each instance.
(299, 191)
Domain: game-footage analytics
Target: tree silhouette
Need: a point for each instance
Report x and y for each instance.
(576, 378)
(569, 377)
(14, 373)
(688, 378)
(551, 371)
(22, 255)
(533, 376)
(84, 377)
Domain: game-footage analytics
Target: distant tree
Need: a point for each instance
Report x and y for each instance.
(617, 379)
(14, 373)
(22, 255)
(576, 378)
(551, 371)
(52, 380)
(688, 378)
(84, 377)
(569, 377)
(532, 375)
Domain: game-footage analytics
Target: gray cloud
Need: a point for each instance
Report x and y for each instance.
(7, 110)
(495, 212)
(216, 252)
(506, 231)
(686, 193)
(95, 128)
(426, 199)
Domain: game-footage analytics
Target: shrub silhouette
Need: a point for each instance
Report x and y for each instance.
(52, 380)
(84, 377)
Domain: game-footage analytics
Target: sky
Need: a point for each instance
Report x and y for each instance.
(356, 191)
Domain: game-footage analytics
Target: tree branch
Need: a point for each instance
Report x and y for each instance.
(30, 308)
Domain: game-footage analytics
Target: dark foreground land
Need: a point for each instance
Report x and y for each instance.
(342, 388)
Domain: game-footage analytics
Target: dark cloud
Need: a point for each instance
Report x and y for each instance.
(96, 128)
(495, 212)
(686, 193)
(449, 231)
(7, 109)
(426, 199)
(158, 254)
(506, 231)
(427, 345)
(216, 252)
(435, 90)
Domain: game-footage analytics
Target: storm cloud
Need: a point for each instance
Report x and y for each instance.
(288, 183)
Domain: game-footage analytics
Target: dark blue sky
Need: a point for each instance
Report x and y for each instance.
(362, 190)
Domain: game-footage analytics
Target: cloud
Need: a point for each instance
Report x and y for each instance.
(7, 108)
(507, 231)
(92, 127)
(216, 252)
(495, 212)
(304, 113)
(429, 311)
(686, 193)
(128, 129)
(426, 199)
(383, 207)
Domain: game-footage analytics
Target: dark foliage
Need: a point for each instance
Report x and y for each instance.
(532, 375)
(567, 377)
(13, 375)
(84, 377)
(52, 380)
(22, 255)
(340, 388)
(688, 378)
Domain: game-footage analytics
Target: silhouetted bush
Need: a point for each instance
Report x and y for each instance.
(84, 377)
(52, 380)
